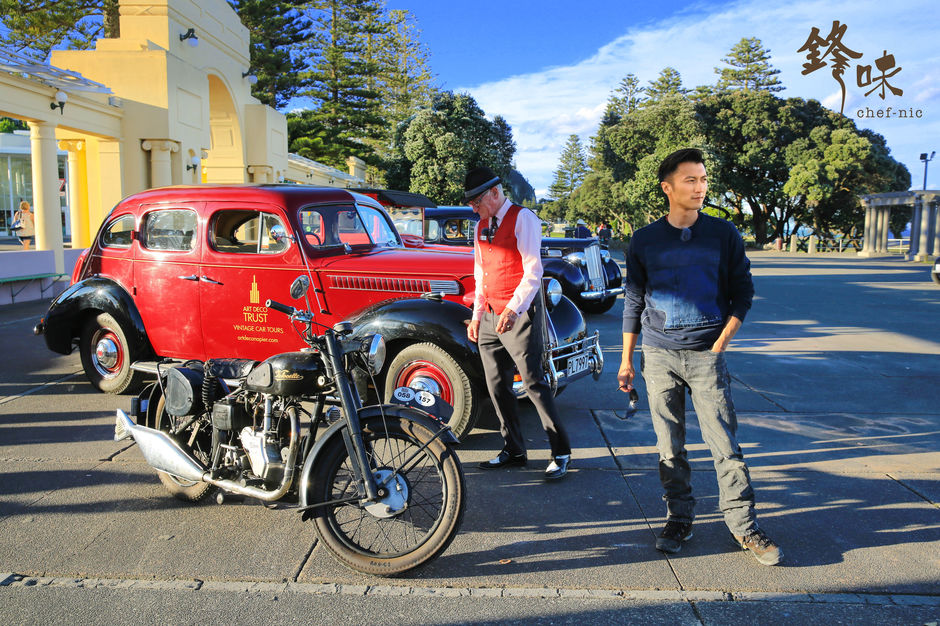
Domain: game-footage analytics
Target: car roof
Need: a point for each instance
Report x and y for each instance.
(284, 194)
(451, 211)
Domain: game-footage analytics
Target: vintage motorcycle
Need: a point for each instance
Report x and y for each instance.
(382, 483)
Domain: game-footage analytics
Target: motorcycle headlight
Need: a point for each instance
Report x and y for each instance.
(576, 258)
(373, 350)
(553, 292)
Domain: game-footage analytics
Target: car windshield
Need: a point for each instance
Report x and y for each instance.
(356, 226)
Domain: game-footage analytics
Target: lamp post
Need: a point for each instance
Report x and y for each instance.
(926, 160)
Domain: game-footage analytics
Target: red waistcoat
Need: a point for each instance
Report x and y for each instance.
(501, 261)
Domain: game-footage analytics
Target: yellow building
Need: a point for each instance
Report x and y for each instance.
(168, 102)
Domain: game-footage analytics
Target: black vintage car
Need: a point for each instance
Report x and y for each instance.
(587, 273)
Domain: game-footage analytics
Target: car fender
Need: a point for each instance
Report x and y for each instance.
(613, 274)
(414, 320)
(63, 321)
(569, 276)
(567, 320)
(365, 414)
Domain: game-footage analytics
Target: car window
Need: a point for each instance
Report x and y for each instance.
(331, 226)
(118, 234)
(433, 230)
(169, 229)
(247, 232)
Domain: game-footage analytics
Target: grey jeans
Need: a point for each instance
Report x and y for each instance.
(668, 373)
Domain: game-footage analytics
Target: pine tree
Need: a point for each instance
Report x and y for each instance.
(668, 83)
(569, 175)
(346, 107)
(277, 28)
(35, 27)
(750, 68)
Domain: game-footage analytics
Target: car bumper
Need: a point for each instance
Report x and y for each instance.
(601, 294)
(571, 361)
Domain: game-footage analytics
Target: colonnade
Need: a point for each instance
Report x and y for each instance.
(925, 222)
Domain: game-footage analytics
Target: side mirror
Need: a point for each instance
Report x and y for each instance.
(299, 287)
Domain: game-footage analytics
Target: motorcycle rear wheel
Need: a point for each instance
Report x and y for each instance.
(369, 539)
(180, 488)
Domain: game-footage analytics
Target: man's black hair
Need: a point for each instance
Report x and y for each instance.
(671, 163)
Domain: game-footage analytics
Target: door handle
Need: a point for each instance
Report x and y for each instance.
(190, 277)
(209, 280)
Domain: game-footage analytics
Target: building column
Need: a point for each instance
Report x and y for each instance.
(46, 191)
(161, 174)
(915, 248)
(866, 232)
(883, 230)
(936, 228)
(922, 212)
(261, 173)
(78, 208)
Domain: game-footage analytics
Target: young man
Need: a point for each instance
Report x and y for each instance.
(688, 288)
(507, 323)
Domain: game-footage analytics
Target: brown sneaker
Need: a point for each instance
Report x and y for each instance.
(761, 546)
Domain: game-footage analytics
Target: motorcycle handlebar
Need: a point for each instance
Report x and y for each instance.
(277, 306)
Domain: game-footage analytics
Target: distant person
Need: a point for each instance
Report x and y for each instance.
(27, 231)
(604, 233)
(507, 319)
(688, 288)
(581, 231)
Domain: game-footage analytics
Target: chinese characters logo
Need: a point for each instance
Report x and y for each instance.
(819, 50)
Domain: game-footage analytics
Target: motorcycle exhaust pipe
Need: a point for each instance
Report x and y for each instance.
(163, 454)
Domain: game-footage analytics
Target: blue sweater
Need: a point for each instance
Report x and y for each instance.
(680, 293)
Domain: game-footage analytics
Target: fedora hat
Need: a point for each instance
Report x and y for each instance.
(478, 180)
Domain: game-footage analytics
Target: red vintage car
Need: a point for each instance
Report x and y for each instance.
(184, 272)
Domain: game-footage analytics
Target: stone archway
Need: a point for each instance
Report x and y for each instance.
(225, 162)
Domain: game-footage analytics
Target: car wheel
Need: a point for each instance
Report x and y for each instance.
(428, 367)
(106, 355)
(596, 307)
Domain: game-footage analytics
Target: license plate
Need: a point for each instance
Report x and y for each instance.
(578, 364)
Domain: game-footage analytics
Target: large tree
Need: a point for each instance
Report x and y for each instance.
(667, 84)
(277, 29)
(35, 27)
(346, 107)
(571, 171)
(436, 147)
(750, 68)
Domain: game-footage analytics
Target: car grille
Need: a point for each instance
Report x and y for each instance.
(592, 255)
(400, 285)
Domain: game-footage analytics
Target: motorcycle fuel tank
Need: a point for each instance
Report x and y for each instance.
(288, 374)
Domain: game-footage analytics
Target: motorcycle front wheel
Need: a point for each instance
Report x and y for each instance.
(421, 508)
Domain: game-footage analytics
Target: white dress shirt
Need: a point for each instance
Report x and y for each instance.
(529, 241)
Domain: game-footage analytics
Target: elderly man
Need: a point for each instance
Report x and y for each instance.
(506, 322)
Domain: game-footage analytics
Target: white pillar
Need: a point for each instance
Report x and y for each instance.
(46, 190)
(78, 214)
(161, 175)
(883, 230)
(936, 228)
(923, 232)
(915, 248)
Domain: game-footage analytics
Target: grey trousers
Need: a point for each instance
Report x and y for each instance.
(520, 347)
(668, 373)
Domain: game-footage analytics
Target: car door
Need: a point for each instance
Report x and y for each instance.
(242, 267)
(166, 279)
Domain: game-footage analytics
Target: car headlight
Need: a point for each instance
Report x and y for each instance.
(605, 255)
(373, 351)
(553, 292)
(576, 258)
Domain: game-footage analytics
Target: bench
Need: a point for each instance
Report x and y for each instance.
(28, 280)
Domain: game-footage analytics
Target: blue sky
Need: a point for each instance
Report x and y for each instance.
(548, 67)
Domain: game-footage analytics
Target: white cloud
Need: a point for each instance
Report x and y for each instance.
(545, 107)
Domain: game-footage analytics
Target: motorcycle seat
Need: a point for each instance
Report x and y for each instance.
(229, 368)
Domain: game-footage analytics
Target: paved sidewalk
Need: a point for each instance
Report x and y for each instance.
(837, 383)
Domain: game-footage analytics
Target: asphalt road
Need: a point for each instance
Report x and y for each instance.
(837, 385)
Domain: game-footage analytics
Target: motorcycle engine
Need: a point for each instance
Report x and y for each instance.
(263, 455)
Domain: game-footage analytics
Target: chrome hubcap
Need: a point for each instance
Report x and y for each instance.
(396, 495)
(106, 353)
(425, 383)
